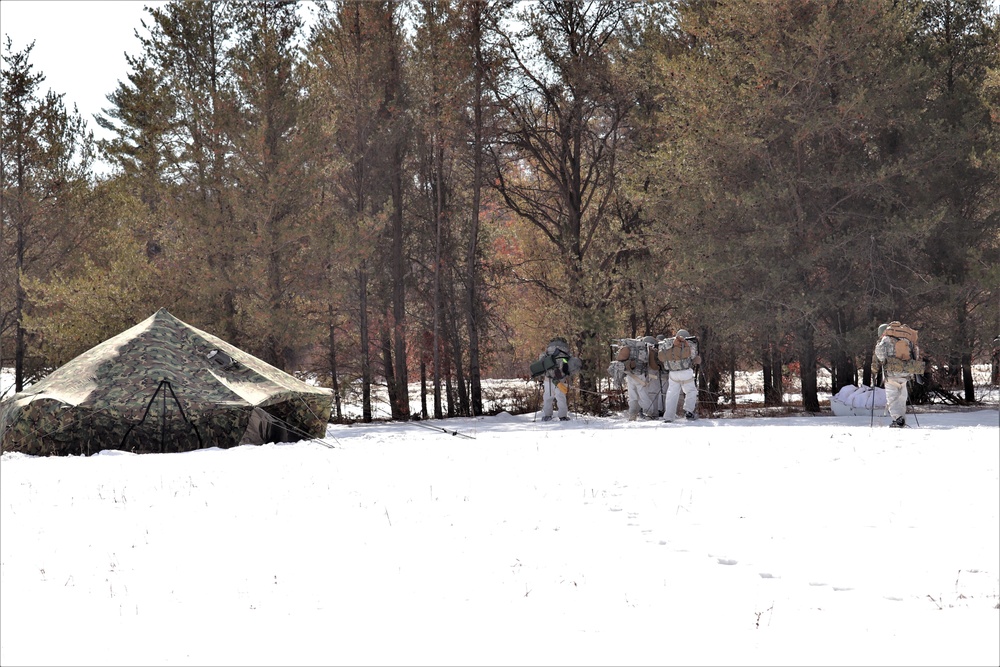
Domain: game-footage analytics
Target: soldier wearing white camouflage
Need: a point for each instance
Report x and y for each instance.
(680, 355)
(641, 371)
(555, 384)
(895, 373)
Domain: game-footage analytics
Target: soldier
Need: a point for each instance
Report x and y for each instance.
(680, 354)
(556, 378)
(897, 356)
(641, 372)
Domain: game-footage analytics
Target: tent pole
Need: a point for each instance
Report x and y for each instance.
(163, 416)
(144, 414)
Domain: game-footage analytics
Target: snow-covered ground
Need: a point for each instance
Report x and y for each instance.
(512, 394)
(796, 540)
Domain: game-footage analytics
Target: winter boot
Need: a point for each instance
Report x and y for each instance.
(564, 419)
(898, 422)
(690, 416)
(547, 418)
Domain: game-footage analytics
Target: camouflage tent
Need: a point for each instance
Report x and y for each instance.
(161, 386)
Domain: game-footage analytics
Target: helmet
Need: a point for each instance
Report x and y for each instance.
(649, 340)
(683, 333)
(881, 329)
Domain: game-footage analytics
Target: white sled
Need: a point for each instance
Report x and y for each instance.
(853, 401)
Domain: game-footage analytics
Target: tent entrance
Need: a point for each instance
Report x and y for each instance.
(162, 390)
(263, 427)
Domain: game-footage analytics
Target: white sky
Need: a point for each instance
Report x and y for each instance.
(762, 541)
(80, 45)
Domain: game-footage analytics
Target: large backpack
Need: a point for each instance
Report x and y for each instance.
(904, 341)
(616, 371)
(899, 345)
(557, 362)
(634, 353)
(674, 356)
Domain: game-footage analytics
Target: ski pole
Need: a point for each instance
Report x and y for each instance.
(872, 425)
(913, 408)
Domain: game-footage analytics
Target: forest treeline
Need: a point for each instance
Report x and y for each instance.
(383, 192)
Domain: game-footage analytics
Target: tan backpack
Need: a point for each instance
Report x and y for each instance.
(677, 356)
(678, 351)
(905, 341)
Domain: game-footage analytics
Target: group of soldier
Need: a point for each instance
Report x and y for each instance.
(656, 371)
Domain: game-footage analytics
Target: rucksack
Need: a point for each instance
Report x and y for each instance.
(616, 371)
(677, 357)
(904, 341)
(634, 354)
(557, 362)
(899, 346)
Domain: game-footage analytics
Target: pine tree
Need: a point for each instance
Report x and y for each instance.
(44, 167)
(793, 127)
(349, 70)
(271, 164)
(959, 42)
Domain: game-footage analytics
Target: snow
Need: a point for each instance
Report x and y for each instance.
(503, 540)
(790, 540)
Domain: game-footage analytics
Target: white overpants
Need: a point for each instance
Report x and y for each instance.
(655, 390)
(895, 395)
(680, 381)
(549, 392)
(638, 397)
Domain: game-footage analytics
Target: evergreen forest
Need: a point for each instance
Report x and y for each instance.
(387, 192)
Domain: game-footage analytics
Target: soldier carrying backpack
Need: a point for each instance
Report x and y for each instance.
(636, 366)
(898, 357)
(555, 365)
(679, 355)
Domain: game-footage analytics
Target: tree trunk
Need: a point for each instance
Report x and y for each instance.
(995, 362)
(967, 379)
(866, 374)
(472, 252)
(437, 298)
(400, 395)
(423, 387)
(771, 363)
(334, 382)
(732, 379)
(807, 368)
(366, 370)
(448, 386)
(456, 351)
(387, 366)
(844, 370)
(19, 340)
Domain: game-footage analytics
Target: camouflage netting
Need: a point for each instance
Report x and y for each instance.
(162, 385)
